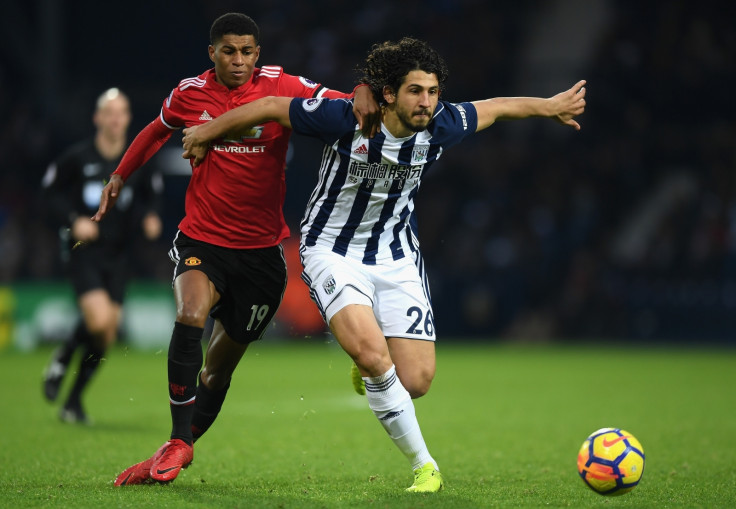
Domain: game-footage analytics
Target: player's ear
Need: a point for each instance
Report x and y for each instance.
(388, 95)
(258, 53)
(211, 51)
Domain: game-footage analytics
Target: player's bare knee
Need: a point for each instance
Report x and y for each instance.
(417, 384)
(419, 389)
(194, 316)
(97, 325)
(372, 362)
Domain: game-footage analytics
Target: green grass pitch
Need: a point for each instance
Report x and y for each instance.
(504, 422)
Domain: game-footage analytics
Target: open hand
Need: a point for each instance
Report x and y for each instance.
(569, 104)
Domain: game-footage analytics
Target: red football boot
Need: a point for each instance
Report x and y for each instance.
(177, 455)
(140, 473)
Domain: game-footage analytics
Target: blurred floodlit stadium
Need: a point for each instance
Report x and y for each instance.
(626, 229)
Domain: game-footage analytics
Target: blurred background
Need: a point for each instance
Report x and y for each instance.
(530, 231)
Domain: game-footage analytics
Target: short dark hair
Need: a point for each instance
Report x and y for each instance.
(388, 64)
(233, 23)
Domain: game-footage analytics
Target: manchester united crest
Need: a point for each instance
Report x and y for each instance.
(192, 261)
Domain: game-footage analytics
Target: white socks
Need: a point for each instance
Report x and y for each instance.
(392, 405)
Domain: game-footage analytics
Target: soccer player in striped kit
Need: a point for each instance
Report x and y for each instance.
(359, 248)
(228, 256)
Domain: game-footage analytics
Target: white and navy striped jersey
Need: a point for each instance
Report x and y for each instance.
(363, 204)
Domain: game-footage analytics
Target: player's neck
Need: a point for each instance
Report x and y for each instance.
(110, 148)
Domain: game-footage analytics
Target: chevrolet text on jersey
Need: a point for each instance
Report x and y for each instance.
(239, 149)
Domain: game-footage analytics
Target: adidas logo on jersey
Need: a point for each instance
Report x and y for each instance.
(205, 116)
(362, 150)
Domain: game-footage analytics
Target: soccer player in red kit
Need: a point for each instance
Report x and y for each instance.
(228, 256)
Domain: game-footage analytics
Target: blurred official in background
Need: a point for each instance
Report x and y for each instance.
(95, 256)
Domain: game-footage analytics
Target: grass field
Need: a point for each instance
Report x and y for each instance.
(504, 422)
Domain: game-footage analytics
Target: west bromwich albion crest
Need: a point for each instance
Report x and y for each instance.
(329, 285)
(419, 154)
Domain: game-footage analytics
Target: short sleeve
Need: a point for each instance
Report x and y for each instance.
(173, 110)
(297, 86)
(453, 122)
(326, 119)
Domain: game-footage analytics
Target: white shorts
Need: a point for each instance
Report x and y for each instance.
(397, 291)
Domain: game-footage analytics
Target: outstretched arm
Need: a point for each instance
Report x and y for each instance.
(562, 107)
(196, 139)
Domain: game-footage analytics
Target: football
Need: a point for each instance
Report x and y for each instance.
(611, 461)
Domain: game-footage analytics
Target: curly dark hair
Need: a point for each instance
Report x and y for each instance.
(388, 64)
(233, 23)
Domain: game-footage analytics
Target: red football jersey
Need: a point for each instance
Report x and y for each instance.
(236, 195)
